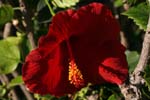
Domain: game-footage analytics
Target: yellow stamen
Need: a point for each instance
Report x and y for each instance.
(75, 76)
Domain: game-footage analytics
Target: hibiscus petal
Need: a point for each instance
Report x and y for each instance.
(87, 30)
(47, 74)
(114, 66)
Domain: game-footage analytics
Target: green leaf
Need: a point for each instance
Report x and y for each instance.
(9, 54)
(132, 1)
(6, 13)
(16, 81)
(2, 91)
(132, 58)
(112, 97)
(118, 3)
(64, 3)
(41, 4)
(45, 97)
(81, 95)
(139, 14)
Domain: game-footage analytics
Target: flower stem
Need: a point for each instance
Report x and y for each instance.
(50, 8)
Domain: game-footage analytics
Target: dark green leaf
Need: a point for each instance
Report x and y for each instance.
(6, 13)
(112, 97)
(64, 3)
(81, 95)
(146, 93)
(132, 1)
(45, 97)
(139, 14)
(9, 54)
(41, 4)
(16, 81)
(132, 58)
(25, 48)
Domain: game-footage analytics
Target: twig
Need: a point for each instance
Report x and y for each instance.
(123, 39)
(50, 8)
(92, 97)
(22, 87)
(4, 79)
(28, 23)
(29, 31)
(1, 3)
(131, 90)
(12, 94)
(144, 57)
(7, 30)
(125, 4)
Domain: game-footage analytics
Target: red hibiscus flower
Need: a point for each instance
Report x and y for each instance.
(81, 47)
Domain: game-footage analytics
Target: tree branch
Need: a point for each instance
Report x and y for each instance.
(27, 23)
(7, 30)
(144, 57)
(125, 4)
(12, 94)
(22, 87)
(131, 90)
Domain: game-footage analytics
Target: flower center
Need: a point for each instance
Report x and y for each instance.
(75, 76)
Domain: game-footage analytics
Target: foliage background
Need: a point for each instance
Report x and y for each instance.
(15, 43)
